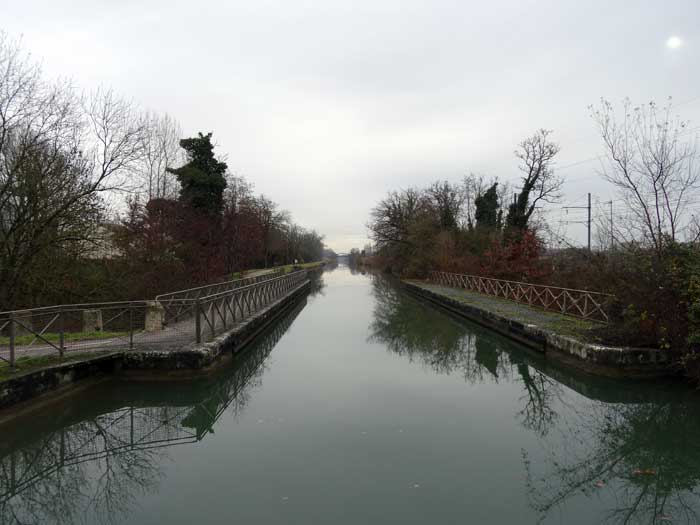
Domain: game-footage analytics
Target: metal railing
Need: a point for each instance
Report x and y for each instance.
(120, 326)
(219, 311)
(578, 303)
(175, 302)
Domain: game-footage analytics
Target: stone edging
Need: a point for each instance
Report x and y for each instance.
(598, 359)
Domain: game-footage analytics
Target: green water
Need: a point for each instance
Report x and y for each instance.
(362, 405)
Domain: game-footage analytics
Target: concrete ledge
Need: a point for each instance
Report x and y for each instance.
(55, 378)
(597, 359)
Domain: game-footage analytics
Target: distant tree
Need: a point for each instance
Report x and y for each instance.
(539, 182)
(202, 178)
(392, 217)
(488, 213)
(447, 200)
(272, 221)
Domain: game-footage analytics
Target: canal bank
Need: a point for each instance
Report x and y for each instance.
(26, 391)
(553, 334)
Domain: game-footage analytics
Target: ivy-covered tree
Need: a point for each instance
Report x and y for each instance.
(488, 213)
(539, 182)
(202, 179)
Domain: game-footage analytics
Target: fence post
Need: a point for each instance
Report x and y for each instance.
(212, 322)
(198, 321)
(12, 341)
(61, 333)
(131, 327)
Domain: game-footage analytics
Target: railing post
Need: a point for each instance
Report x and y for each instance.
(212, 322)
(131, 327)
(198, 321)
(61, 333)
(12, 341)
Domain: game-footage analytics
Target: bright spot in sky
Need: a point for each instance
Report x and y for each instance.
(674, 42)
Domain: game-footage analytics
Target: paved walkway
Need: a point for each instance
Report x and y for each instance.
(174, 335)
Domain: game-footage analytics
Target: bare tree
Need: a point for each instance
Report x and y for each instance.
(473, 186)
(56, 159)
(447, 201)
(539, 182)
(272, 220)
(652, 160)
(392, 217)
(694, 229)
(115, 140)
(161, 149)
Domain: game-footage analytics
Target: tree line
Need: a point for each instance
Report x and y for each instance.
(649, 260)
(475, 225)
(102, 201)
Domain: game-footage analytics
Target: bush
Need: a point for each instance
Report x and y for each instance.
(657, 296)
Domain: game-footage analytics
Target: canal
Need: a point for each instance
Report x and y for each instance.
(361, 405)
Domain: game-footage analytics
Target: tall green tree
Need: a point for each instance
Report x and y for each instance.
(202, 179)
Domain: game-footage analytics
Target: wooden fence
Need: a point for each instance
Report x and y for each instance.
(578, 303)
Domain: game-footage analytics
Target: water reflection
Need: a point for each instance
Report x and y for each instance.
(317, 283)
(642, 460)
(634, 447)
(421, 333)
(93, 465)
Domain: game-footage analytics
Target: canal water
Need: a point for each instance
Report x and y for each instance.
(362, 405)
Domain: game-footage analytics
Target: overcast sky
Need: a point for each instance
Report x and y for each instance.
(326, 105)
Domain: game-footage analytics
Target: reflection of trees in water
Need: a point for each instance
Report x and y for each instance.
(94, 469)
(317, 284)
(409, 328)
(421, 334)
(644, 458)
(540, 397)
(646, 455)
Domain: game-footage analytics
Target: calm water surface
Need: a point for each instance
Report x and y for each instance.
(362, 405)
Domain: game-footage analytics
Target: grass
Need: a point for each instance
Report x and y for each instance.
(52, 337)
(558, 323)
(305, 266)
(31, 363)
(285, 269)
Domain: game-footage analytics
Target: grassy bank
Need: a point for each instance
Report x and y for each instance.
(52, 337)
(287, 268)
(31, 363)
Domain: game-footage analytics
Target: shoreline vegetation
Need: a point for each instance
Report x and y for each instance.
(649, 262)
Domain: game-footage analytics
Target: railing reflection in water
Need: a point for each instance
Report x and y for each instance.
(118, 454)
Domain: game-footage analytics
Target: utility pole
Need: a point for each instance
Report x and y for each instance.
(589, 223)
